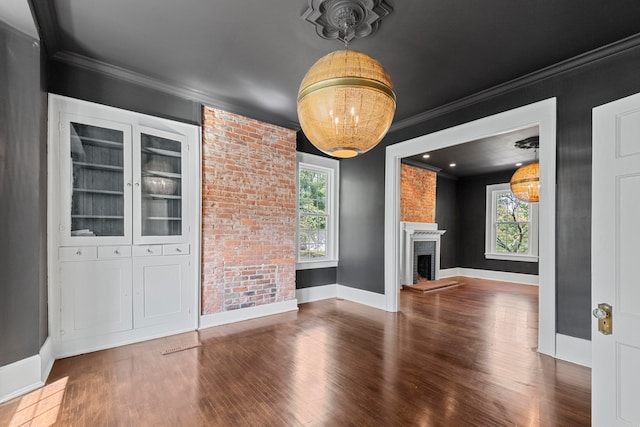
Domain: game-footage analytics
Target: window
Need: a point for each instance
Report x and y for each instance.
(317, 212)
(512, 226)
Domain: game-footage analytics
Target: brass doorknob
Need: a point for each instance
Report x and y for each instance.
(604, 314)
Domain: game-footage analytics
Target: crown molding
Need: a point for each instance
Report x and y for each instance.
(46, 22)
(176, 89)
(172, 88)
(555, 70)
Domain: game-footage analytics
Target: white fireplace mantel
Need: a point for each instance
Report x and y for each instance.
(418, 232)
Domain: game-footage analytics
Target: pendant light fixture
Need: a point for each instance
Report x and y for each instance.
(525, 182)
(346, 101)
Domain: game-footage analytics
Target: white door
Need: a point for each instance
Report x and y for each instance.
(615, 253)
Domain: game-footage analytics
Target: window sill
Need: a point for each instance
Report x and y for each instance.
(308, 265)
(511, 257)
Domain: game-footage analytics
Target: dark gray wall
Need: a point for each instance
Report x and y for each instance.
(577, 92)
(471, 195)
(80, 83)
(23, 197)
(362, 179)
(447, 213)
(362, 221)
(316, 276)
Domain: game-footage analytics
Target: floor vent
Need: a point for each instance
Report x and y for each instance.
(180, 348)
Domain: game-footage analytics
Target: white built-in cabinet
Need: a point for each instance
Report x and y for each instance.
(123, 226)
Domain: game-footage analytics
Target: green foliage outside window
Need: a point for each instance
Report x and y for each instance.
(512, 224)
(312, 214)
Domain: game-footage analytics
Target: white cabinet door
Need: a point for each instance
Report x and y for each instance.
(96, 298)
(95, 181)
(161, 186)
(614, 262)
(163, 292)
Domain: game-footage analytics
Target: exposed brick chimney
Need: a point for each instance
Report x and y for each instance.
(248, 212)
(417, 194)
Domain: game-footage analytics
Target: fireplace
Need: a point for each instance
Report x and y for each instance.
(424, 268)
(420, 251)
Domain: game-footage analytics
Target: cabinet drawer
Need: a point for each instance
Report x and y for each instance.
(177, 249)
(80, 253)
(147, 250)
(109, 252)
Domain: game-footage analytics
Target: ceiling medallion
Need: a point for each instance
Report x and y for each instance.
(346, 101)
(329, 17)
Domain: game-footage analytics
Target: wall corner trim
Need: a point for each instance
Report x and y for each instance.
(574, 350)
(226, 317)
(27, 374)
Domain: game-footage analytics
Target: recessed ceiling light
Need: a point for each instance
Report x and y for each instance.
(518, 164)
(452, 165)
(426, 156)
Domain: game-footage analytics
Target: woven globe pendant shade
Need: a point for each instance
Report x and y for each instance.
(525, 183)
(346, 103)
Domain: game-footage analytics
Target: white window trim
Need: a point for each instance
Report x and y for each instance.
(332, 167)
(490, 219)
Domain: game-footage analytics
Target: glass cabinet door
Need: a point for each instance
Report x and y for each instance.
(96, 159)
(160, 192)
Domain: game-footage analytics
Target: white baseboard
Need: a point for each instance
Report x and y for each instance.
(574, 350)
(360, 296)
(500, 276)
(449, 272)
(27, 374)
(225, 317)
(316, 293)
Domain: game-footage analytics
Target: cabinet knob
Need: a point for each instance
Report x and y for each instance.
(137, 184)
(178, 250)
(117, 252)
(78, 252)
(149, 250)
(128, 184)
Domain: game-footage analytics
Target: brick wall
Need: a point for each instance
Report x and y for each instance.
(248, 212)
(417, 194)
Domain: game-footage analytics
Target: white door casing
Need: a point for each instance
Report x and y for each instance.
(543, 114)
(615, 266)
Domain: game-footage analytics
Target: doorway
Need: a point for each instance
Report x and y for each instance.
(542, 114)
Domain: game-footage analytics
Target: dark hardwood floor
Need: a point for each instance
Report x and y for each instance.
(460, 357)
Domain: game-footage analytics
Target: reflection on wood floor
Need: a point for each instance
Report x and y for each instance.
(461, 357)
